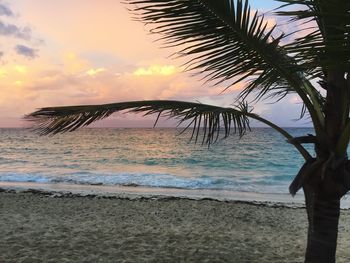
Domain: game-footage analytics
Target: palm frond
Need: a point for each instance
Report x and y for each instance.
(54, 120)
(227, 42)
(328, 45)
(344, 139)
(205, 120)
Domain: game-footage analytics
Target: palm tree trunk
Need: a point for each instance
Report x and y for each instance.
(323, 217)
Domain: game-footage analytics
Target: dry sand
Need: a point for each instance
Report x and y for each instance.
(42, 228)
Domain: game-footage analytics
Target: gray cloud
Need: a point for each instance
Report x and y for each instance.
(15, 31)
(26, 51)
(5, 10)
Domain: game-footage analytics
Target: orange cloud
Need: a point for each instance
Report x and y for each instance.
(96, 54)
(73, 63)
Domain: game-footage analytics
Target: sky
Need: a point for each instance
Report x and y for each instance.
(65, 52)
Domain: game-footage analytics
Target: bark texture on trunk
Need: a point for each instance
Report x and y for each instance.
(323, 216)
(324, 182)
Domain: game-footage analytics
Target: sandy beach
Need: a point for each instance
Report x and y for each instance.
(45, 228)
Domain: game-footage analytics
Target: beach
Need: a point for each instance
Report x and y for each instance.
(86, 197)
(44, 227)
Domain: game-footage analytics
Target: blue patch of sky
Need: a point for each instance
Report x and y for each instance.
(265, 5)
(102, 59)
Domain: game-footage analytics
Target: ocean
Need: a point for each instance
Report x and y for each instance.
(259, 162)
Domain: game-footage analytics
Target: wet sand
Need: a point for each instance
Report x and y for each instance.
(37, 227)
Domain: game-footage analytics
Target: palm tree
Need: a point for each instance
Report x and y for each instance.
(229, 43)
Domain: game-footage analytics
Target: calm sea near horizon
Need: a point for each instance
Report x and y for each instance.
(259, 162)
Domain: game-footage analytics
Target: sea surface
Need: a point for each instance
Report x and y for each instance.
(259, 162)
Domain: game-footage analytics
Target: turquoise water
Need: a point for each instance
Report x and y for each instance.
(260, 162)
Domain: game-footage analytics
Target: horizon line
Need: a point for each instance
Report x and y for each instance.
(159, 127)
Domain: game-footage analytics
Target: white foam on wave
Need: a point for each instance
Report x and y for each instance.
(158, 180)
(137, 179)
(23, 177)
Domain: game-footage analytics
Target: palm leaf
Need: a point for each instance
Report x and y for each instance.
(227, 42)
(212, 120)
(54, 120)
(343, 142)
(327, 46)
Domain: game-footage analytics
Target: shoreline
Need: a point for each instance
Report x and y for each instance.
(46, 227)
(132, 192)
(165, 198)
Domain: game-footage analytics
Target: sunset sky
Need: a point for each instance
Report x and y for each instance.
(90, 51)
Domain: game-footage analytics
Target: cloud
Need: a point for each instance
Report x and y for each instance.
(103, 85)
(11, 33)
(93, 72)
(12, 30)
(20, 69)
(5, 10)
(26, 51)
(166, 70)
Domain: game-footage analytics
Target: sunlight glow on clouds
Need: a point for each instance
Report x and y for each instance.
(3, 72)
(91, 52)
(93, 72)
(18, 83)
(73, 63)
(21, 69)
(156, 70)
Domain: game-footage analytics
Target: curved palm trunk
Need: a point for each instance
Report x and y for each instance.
(323, 216)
